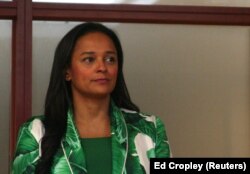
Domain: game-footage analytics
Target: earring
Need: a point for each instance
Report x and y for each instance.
(67, 78)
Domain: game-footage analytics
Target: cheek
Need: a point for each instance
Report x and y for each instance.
(114, 72)
(78, 73)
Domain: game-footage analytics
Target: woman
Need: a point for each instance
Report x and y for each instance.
(90, 125)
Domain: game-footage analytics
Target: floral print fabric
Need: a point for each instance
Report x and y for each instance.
(136, 138)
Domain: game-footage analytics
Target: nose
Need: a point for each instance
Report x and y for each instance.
(101, 66)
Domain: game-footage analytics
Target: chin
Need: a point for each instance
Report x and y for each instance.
(102, 91)
(102, 94)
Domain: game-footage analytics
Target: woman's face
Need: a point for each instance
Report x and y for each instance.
(94, 66)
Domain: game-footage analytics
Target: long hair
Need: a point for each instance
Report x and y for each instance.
(59, 98)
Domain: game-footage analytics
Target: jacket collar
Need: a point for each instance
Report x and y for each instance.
(72, 147)
(119, 140)
(75, 153)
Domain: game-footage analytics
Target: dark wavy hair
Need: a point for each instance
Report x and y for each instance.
(59, 98)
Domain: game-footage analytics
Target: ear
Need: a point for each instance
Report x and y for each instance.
(68, 75)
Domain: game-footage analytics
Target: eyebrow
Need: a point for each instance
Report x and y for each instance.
(92, 52)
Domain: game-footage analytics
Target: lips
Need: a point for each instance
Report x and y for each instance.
(101, 80)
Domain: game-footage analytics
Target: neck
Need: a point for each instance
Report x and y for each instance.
(91, 108)
(92, 116)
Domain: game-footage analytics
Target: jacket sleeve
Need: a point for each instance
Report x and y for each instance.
(162, 148)
(27, 147)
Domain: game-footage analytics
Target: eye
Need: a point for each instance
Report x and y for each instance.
(88, 60)
(110, 59)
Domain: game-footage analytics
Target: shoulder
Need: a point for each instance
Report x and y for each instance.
(29, 135)
(134, 117)
(28, 145)
(33, 126)
(33, 122)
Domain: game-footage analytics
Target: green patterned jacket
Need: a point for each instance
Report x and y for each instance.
(136, 137)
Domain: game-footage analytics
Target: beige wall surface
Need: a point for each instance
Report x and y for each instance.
(195, 78)
(5, 88)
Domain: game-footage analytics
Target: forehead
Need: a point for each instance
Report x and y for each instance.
(95, 39)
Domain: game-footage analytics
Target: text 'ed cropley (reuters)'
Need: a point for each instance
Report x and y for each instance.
(193, 165)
